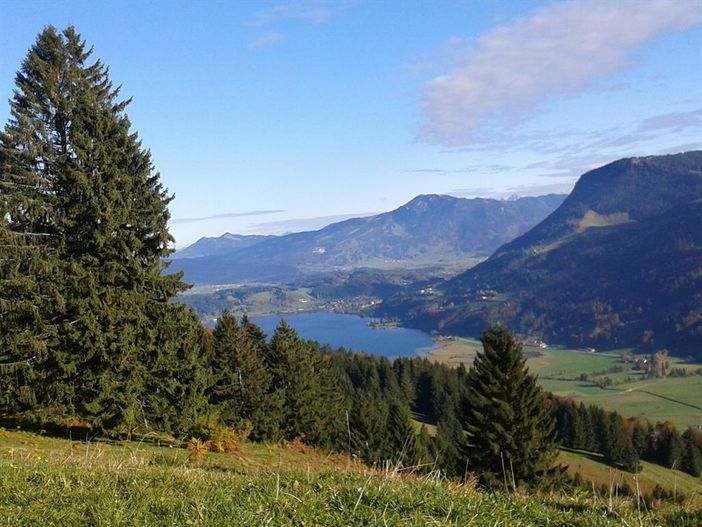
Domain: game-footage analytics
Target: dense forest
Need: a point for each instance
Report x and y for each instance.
(90, 340)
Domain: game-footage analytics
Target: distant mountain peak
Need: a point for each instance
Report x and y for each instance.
(431, 229)
(617, 264)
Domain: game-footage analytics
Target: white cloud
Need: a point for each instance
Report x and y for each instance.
(559, 49)
(301, 224)
(224, 216)
(266, 40)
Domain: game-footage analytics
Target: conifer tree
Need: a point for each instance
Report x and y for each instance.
(76, 180)
(449, 438)
(586, 436)
(368, 426)
(640, 435)
(669, 446)
(242, 385)
(402, 438)
(29, 301)
(510, 427)
(304, 381)
(616, 448)
(692, 457)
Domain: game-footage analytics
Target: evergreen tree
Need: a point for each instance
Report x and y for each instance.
(669, 446)
(241, 389)
(368, 427)
(567, 423)
(426, 451)
(692, 457)
(311, 407)
(404, 376)
(176, 379)
(586, 436)
(617, 449)
(640, 436)
(449, 438)
(510, 427)
(76, 181)
(402, 438)
(29, 300)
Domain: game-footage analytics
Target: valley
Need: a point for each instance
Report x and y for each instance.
(602, 379)
(616, 265)
(513, 335)
(356, 291)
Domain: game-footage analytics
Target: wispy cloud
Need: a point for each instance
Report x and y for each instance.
(266, 40)
(539, 190)
(673, 121)
(473, 192)
(647, 129)
(520, 191)
(560, 49)
(681, 148)
(426, 171)
(314, 11)
(225, 215)
(302, 224)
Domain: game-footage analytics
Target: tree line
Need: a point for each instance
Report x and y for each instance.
(623, 441)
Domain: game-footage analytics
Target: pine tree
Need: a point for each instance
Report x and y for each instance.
(242, 386)
(449, 438)
(306, 383)
(76, 180)
(616, 448)
(692, 457)
(510, 427)
(402, 438)
(368, 427)
(640, 436)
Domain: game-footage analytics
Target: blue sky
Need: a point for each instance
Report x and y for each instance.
(269, 117)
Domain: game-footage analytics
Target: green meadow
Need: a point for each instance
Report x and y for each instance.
(52, 482)
(675, 399)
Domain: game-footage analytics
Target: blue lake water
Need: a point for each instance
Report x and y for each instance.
(353, 333)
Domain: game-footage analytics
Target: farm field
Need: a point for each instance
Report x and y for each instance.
(53, 482)
(675, 399)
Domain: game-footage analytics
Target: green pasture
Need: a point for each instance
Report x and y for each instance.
(675, 399)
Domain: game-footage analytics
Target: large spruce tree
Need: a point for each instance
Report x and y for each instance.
(76, 182)
(510, 428)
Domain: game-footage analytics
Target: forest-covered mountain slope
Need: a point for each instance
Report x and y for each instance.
(618, 264)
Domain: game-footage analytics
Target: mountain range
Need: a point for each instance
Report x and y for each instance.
(617, 264)
(430, 230)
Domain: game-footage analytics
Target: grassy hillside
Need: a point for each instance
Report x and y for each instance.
(53, 482)
(592, 469)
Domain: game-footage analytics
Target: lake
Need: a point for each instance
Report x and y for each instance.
(353, 333)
